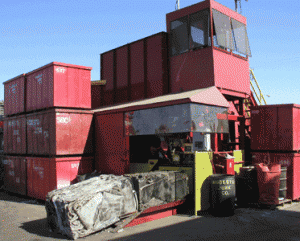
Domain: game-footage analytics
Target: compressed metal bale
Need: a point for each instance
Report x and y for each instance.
(159, 187)
(90, 206)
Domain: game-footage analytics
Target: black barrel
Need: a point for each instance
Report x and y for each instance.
(283, 185)
(246, 186)
(222, 194)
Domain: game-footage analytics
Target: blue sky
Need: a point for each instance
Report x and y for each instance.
(34, 33)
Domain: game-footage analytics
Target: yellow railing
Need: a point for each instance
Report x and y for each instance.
(259, 96)
(258, 93)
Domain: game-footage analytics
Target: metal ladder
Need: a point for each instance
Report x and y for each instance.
(256, 96)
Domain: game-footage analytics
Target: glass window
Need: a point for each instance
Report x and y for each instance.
(240, 38)
(199, 29)
(222, 28)
(179, 36)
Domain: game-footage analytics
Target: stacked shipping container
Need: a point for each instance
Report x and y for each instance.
(47, 129)
(134, 71)
(275, 138)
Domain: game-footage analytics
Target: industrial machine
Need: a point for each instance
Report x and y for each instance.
(178, 100)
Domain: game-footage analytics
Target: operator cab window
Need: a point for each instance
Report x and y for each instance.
(241, 41)
(179, 36)
(230, 35)
(222, 30)
(199, 29)
(190, 32)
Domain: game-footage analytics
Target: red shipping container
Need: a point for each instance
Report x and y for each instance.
(15, 174)
(58, 85)
(275, 127)
(47, 174)
(60, 132)
(136, 71)
(289, 160)
(268, 178)
(14, 95)
(14, 135)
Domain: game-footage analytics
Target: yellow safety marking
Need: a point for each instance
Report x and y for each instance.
(239, 156)
(203, 169)
(151, 163)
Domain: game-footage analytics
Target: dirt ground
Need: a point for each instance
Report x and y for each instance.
(22, 218)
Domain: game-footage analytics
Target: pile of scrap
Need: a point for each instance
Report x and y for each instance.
(100, 202)
(159, 187)
(89, 206)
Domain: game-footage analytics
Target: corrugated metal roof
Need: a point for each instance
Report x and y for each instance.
(206, 96)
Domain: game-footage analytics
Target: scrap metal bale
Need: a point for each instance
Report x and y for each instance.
(159, 187)
(89, 206)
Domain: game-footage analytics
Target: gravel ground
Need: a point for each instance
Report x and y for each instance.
(25, 219)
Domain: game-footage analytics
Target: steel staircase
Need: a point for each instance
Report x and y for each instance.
(244, 109)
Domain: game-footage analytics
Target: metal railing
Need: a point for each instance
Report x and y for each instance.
(258, 94)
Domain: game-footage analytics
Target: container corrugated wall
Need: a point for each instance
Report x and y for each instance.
(111, 145)
(15, 177)
(60, 132)
(47, 174)
(14, 95)
(135, 71)
(58, 85)
(14, 135)
(275, 127)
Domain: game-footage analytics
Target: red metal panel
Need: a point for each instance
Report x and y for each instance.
(192, 70)
(122, 66)
(15, 135)
(275, 127)
(63, 134)
(96, 93)
(6, 137)
(20, 175)
(37, 177)
(129, 68)
(289, 160)
(60, 132)
(121, 95)
(9, 173)
(87, 133)
(137, 70)
(107, 73)
(285, 129)
(107, 70)
(111, 145)
(296, 127)
(108, 97)
(58, 85)
(64, 171)
(157, 212)
(227, 75)
(47, 174)
(33, 122)
(264, 129)
(14, 95)
(155, 65)
(15, 174)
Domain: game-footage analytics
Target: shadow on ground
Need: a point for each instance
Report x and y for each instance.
(13, 197)
(40, 228)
